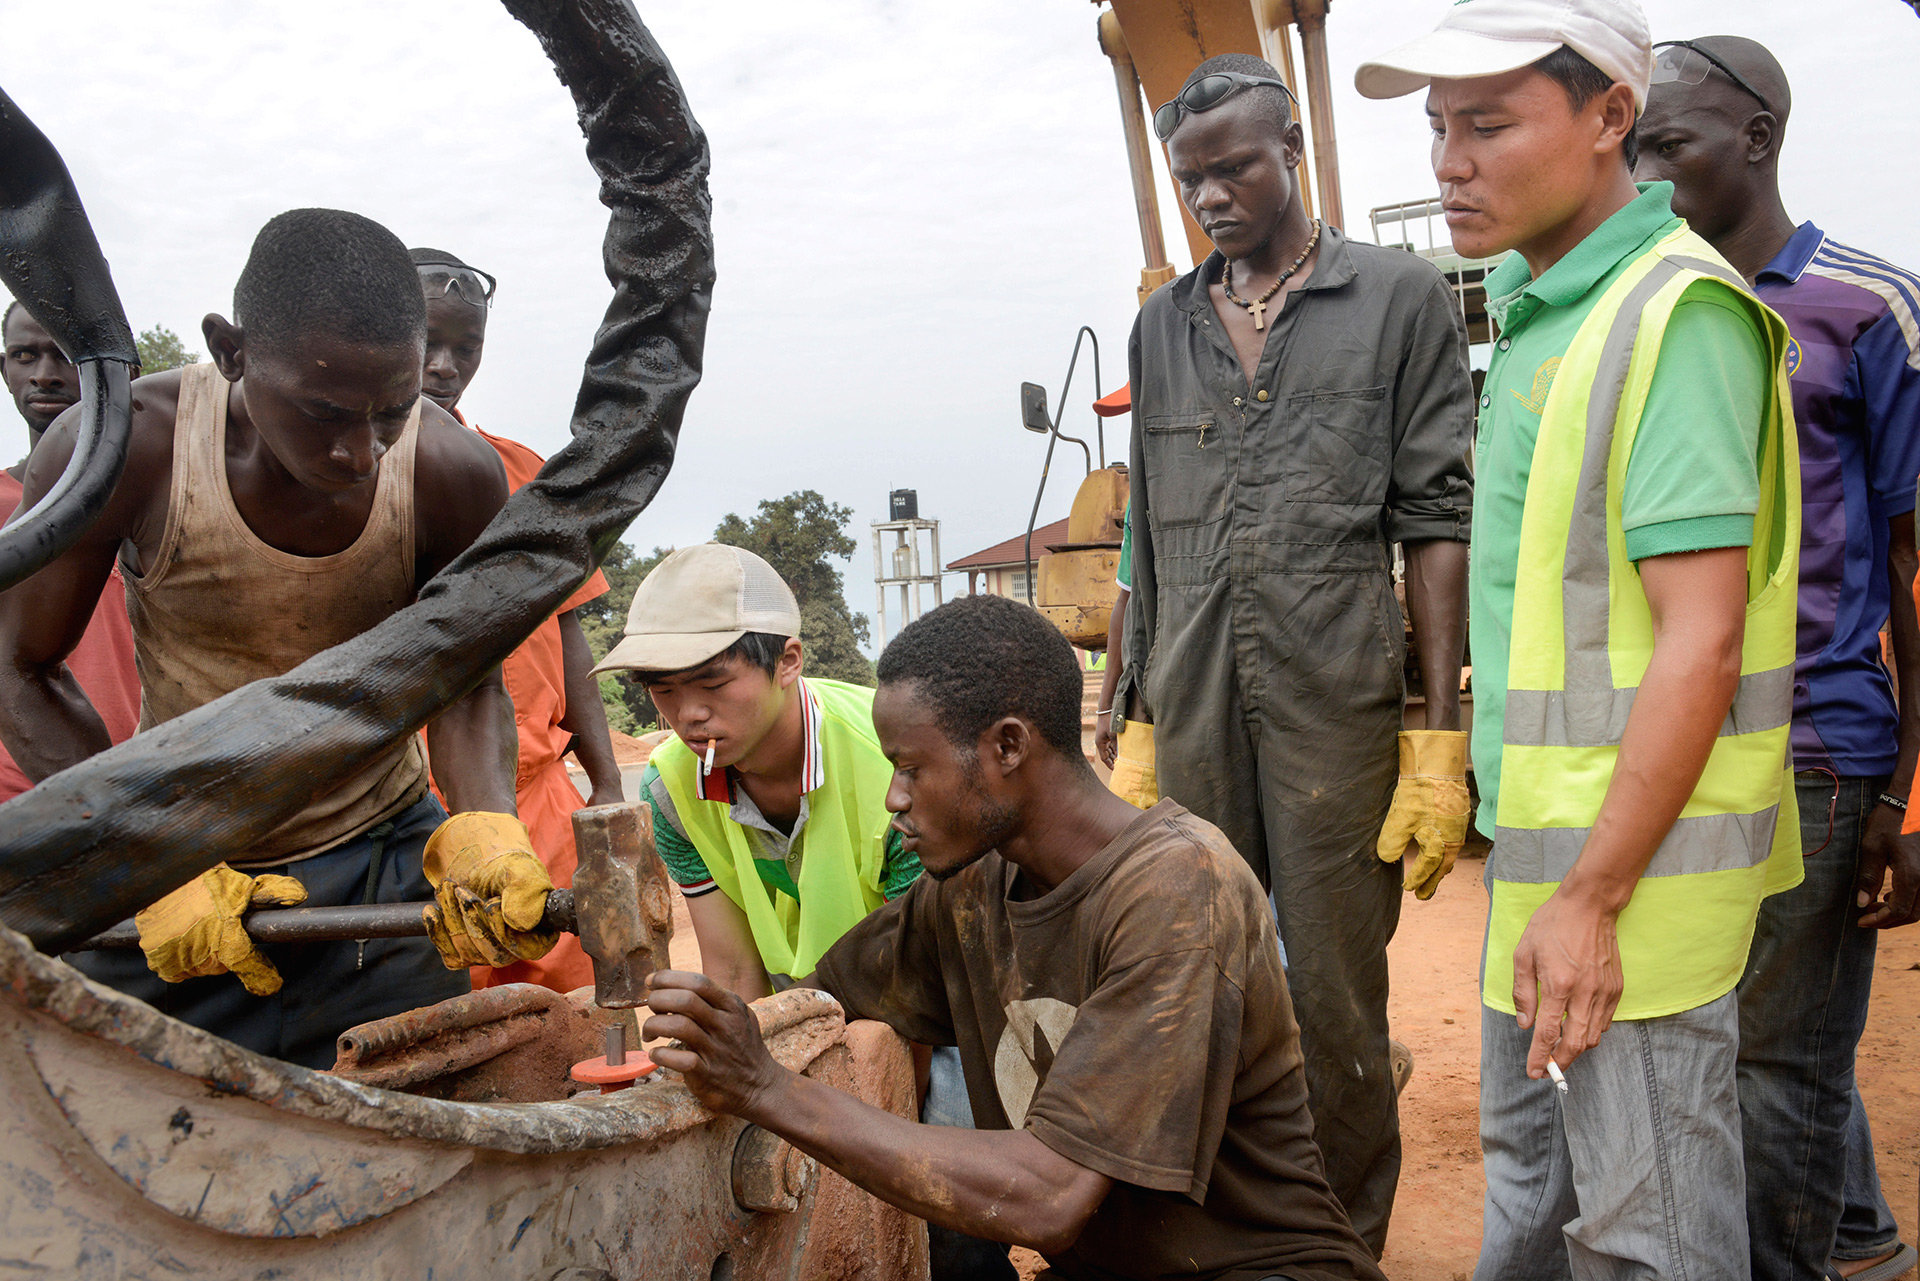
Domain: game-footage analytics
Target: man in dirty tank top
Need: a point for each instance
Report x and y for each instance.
(278, 501)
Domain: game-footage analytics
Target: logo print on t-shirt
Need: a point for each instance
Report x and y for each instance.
(1793, 357)
(1542, 384)
(1033, 1033)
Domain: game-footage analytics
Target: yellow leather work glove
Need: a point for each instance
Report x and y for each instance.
(489, 890)
(1430, 807)
(195, 931)
(1133, 778)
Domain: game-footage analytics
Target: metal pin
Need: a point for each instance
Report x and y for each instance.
(1559, 1077)
(617, 1045)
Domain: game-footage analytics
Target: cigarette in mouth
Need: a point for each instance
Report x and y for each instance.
(1559, 1077)
(708, 769)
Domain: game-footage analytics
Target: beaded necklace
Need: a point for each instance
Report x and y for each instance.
(1258, 307)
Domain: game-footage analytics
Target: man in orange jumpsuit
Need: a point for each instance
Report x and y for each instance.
(556, 702)
(44, 384)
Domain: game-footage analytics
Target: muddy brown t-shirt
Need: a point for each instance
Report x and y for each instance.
(1135, 1020)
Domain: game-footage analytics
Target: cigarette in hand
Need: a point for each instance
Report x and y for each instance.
(708, 767)
(1559, 1077)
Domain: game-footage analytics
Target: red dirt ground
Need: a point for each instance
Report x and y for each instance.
(1435, 1010)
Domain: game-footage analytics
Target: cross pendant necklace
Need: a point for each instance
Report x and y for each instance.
(1258, 307)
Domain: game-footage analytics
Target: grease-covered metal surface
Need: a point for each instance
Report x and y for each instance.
(135, 1146)
(92, 845)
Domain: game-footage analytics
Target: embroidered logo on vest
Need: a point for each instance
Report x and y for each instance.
(1542, 384)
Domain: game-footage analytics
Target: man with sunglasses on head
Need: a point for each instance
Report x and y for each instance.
(1635, 547)
(1301, 403)
(1715, 119)
(556, 699)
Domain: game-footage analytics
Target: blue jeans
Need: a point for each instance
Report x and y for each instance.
(1634, 1173)
(1803, 1005)
(1867, 1226)
(329, 987)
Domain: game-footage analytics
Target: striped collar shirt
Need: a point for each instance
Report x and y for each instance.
(1855, 366)
(718, 786)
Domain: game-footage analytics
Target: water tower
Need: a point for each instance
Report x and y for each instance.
(903, 565)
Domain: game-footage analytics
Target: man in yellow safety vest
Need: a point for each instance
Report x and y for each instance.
(1635, 558)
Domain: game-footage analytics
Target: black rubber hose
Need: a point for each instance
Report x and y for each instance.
(34, 538)
(95, 843)
(52, 263)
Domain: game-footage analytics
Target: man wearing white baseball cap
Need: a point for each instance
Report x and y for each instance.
(1632, 602)
(769, 803)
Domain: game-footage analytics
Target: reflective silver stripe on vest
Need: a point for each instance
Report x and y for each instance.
(1709, 843)
(1591, 712)
(1598, 717)
(1586, 576)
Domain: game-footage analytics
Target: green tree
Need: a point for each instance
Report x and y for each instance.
(161, 349)
(800, 536)
(604, 620)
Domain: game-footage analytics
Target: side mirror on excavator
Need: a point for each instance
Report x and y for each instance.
(1033, 408)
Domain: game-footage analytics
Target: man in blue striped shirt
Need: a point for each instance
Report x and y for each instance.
(1713, 126)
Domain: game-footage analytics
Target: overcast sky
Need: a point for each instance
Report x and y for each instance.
(915, 205)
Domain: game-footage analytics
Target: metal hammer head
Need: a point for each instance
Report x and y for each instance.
(622, 901)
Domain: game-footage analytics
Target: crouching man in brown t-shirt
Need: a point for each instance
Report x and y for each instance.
(1111, 977)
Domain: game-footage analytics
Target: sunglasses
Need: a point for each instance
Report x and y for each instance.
(470, 284)
(1692, 65)
(1208, 92)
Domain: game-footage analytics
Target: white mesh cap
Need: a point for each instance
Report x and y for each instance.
(764, 594)
(697, 602)
(1491, 37)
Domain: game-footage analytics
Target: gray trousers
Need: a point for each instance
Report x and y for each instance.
(1635, 1173)
(1283, 738)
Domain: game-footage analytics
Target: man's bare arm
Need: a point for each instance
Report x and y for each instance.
(459, 486)
(1883, 849)
(727, 952)
(586, 717)
(997, 1184)
(1437, 609)
(476, 750)
(1568, 960)
(1105, 741)
(46, 719)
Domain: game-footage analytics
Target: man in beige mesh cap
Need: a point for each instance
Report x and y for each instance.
(765, 765)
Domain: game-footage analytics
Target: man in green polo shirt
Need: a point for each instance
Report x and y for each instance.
(769, 803)
(1635, 556)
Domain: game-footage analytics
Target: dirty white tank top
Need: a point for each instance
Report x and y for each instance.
(219, 608)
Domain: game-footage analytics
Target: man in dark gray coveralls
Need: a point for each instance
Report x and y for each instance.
(1300, 403)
